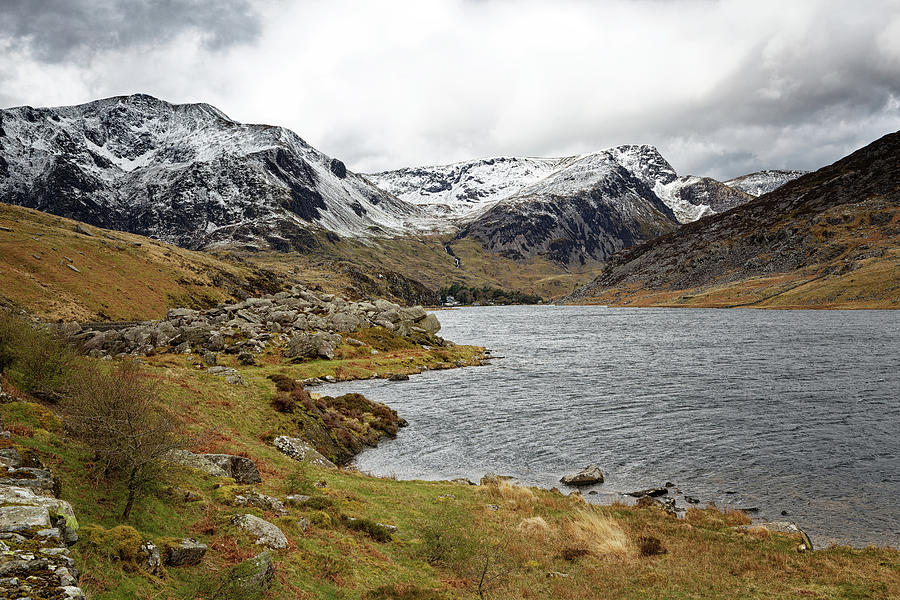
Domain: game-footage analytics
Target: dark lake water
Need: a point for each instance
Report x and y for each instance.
(795, 411)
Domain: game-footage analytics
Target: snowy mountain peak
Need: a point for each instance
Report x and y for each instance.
(186, 173)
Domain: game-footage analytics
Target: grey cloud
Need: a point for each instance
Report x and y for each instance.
(62, 30)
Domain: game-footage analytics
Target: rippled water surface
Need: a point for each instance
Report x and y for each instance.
(795, 411)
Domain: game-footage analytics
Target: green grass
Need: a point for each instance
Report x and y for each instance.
(340, 558)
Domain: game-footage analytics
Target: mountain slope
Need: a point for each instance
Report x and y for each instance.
(573, 210)
(185, 174)
(829, 237)
(763, 182)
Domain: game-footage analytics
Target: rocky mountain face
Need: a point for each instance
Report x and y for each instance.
(817, 219)
(763, 182)
(186, 174)
(584, 212)
(190, 175)
(572, 210)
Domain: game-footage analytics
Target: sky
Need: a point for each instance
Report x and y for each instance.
(722, 88)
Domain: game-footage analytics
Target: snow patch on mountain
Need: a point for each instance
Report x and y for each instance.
(763, 182)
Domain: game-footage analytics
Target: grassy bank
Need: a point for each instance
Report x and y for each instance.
(452, 540)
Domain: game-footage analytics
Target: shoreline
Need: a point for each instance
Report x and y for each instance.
(613, 497)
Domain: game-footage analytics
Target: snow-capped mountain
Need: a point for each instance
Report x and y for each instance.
(459, 192)
(763, 182)
(187, 174)
(590, 207)
(572, 209)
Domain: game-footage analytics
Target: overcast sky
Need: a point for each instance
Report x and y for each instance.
(721, 88)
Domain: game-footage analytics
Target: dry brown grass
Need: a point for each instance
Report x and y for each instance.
(599, 534)
(535, 527)
(712, 517)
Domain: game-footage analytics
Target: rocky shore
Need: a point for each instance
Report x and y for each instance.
(305, 323)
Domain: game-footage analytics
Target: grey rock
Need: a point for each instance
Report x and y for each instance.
(210, 358)
(296, 499)
(266, 533)
(587, 476)
(187, 552)
(430, 323)
(250, 578)
(23, 518)
(242, 470)
(301, 450)
(304, 524)
(261, 501)
(149, 558)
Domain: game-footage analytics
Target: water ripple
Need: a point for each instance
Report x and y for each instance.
(784, 410)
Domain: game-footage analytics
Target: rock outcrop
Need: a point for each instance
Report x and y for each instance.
(308, 324)
(36, 529)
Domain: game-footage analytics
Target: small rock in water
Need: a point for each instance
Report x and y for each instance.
(652, 492)
(589, 475)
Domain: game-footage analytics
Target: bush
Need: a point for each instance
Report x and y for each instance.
(117, 415)
(37, 360)
(121, 543)
(283, 402)
(377, 532)
(283, 383)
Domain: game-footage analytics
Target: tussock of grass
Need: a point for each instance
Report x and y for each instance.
(598, 534)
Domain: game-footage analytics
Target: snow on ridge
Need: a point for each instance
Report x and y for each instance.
(765, 181)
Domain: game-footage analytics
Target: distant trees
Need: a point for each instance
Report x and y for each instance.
(487, 295)
(117, 415)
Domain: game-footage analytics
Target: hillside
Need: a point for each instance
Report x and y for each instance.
(826, 239)
(279, 520)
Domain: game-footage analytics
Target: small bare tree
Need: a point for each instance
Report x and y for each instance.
(118, 416)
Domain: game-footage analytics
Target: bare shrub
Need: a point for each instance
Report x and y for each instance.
(118, 416)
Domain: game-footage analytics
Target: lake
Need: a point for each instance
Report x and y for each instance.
(795, 411)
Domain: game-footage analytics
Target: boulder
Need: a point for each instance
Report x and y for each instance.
(266, 533)
(589, 475)
(261, 501)
(248, 579)
(296, 499)
(186, 552)
(430, 324)
(299, 449)
(494, 479)
(241, 469)
(412, 313)
(304, 345)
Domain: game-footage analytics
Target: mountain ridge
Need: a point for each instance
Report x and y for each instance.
(821, 227)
